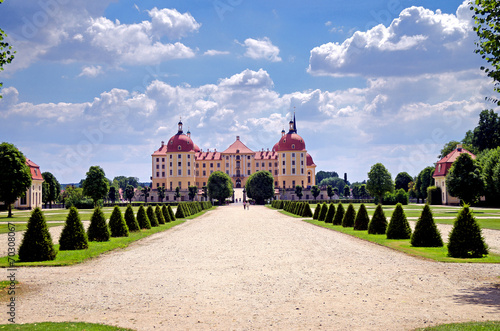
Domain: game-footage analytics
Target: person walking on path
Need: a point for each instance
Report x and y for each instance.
(244, 205)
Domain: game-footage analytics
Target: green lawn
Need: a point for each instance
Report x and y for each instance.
(62, 326)
(469, 326)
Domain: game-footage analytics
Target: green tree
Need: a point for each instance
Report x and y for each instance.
(331, 214)
(123, 181)
(424, 180)
(171, 213)
(362, 219)
(315, 191)
(204, 189)
(363, 193)
(193, 191)
(426, 233)
(259, 186)
(166, 214)
(349, 217)
(161, 192)
(117, 224)
(145, 192)
(379, 181)
(323, 212)
(464, 179)
(334, 182)
(487, 27)
(320, 175)
(152, 216)
(159, 215)
(378, 223)
(486, 134)
(73, 236)
(347, 191)
(402, 180)
(298, 191)
(6, 52)
(329, 191)
(129, 193)
(98, 229)
(15, 175)
(465, 239)
(50, 188)
(307, 212)
(36, 244)
(488, 162)
(220, 186)
(398, 227)
(96, 185)
(339, 215)
(317, 210)
(113, 194)
(142, 219)
(130, 219)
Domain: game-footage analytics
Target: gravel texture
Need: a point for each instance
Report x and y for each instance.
(258, 269)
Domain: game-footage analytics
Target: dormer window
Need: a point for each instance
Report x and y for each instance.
(179, 147)
(293, 146)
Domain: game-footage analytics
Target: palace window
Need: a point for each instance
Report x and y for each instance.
(189, 184)
(270, 164)
(170, 172)
(157, 184)
(157, 174)
(257, 165)
(293, 154)
(284, 172)
(170, 156)
(157, 159)
(302, 170)
(179, 147)
(189, 164)
(293, 162)
(179, 156)
(276, 164)
(248, 157)
(189, 172)
(249, 165)
(204, 165)
(179, 164)
(163, 174)
(276, 172)
(157, 166)
(189, 156)
(163, 166)
(263, 164)
(162, 159)
(179, 172)
(180, 184)
(211, 165)
(293, 171)
(283, 162)
(218, 165)
(293, 183)
(227, 172)
(227, 165)
(248, 172)
(204, 173)
(170, 162)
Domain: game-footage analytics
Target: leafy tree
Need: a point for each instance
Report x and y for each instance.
(15, 175)
(117, 224)
(205, 192)
(334, 182)
(37, 243)
(362, 219)
(113, 194)
(339, 215)
(426, 233)
(487, 20)
(488, 162)
(73, 196)
(398, 227)
(402, 180)
(123, 181)
(166, 214)
(379, 181)
(331, 214)
(424, 180)
(161, 193)
(329, 191)
(259, 186)
(130, 219)
(159, 215)
(50, 188)
(323, 212)
(320, 175)
(73, 236)
(220, 186)
(347, 191)
(349, 217)
(152, 216)
(193, 191)
(298, 191)
(129, 193)
(363, 193)
(464, 179)
(177, 193)
(96, 185)
(143, 219)
(465, 239)
(6, 52)
(145, 192)
(315, 191)
(486, 134)
(355, 191)
(98, 229)
(378, 223)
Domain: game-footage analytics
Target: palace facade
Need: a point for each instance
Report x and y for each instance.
(181, 163)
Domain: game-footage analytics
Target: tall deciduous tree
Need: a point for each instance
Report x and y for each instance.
(315, 191)
(298, 191)
(220, 186)
(15, 175)
(129, 193)
(486, 134)
(424, 180)
(379, 181)
(464, 179)
(329, 191)
(320, 175)
(96, 185)
(260, 186)
(161, 193)
(6, 52)
(193, 191)
(402, 180)
(50, 188)
(487, 19)
(112, 193)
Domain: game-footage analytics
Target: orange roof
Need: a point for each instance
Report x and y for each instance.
(266, 155)
(208, 156)
(310, 161)
(238, 147)
(35, 170)
(443, 165)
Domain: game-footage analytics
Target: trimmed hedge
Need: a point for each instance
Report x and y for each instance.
(434, 196)
(142, 219)
(152, 216)
(339, 215)
(323, 212)
(98, 229)
(73, 236)
(378, 223)
(130, 219)
(426, 233)
(465, 240)
(362, 219)
(117, 224)
(37, 243)
(349, 217)
(398, 227)
(330, 214)
(159, 215)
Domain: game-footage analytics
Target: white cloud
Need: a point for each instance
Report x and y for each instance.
(213, 52)
(262, 49)
(418, 41)
(91, 71)
(171, 23)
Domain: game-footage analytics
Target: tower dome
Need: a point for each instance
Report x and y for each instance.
(181, 142)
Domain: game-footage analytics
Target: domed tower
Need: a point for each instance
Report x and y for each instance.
(173, 164)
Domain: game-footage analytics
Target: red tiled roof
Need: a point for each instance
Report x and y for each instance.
(238, 147)
(266, 155)
(208, 156)
(310, 161)
(290, 142)
(35, 170)
(443, 165)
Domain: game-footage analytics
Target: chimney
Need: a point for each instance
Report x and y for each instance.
(162, 143)
(459, 147)
(237, 137)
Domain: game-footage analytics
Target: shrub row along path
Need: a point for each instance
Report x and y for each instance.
(259, 269)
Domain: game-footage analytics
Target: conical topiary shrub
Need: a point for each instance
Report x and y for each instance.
(307, 212)
(426, 233)
(142, 218)
(152, 216)
(323, 212)
(362, 219)
(130, 219)
(179, 213)
(349, 217)
(98, 229)
(330, 214)
(37, 243)
(465, 240)
(117, 224)
(73, 236)
(166, 214)
(317, 209)
(378, 224)
(159, 215)
(339, 215)
(171, 213)
(398, 227)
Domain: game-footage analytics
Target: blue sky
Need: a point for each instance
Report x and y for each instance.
(104, 82)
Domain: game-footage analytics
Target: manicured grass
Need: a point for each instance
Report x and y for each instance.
(469, 326)
(62, 326)
(4, 227)
(433, 253)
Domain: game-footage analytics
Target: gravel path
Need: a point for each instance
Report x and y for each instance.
(258, 269)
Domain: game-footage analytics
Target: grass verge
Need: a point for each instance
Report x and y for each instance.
(51, 326)
(433, 253)
(469, 326)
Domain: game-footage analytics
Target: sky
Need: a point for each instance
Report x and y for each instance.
(104, 82)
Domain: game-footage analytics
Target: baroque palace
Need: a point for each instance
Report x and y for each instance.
(181, 163)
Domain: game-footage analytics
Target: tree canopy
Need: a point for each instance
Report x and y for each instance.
(379, 181)
(402, 180)
(464, 179)
(96, 185)
(193, 191)
(219, 186)
(15, 175)
(320, 175)
(6, 52)
(260, 186)
(50, 188)
(424, 180)
(334, 182)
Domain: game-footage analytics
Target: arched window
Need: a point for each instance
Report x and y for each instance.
(293, 146)
(179, 147)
